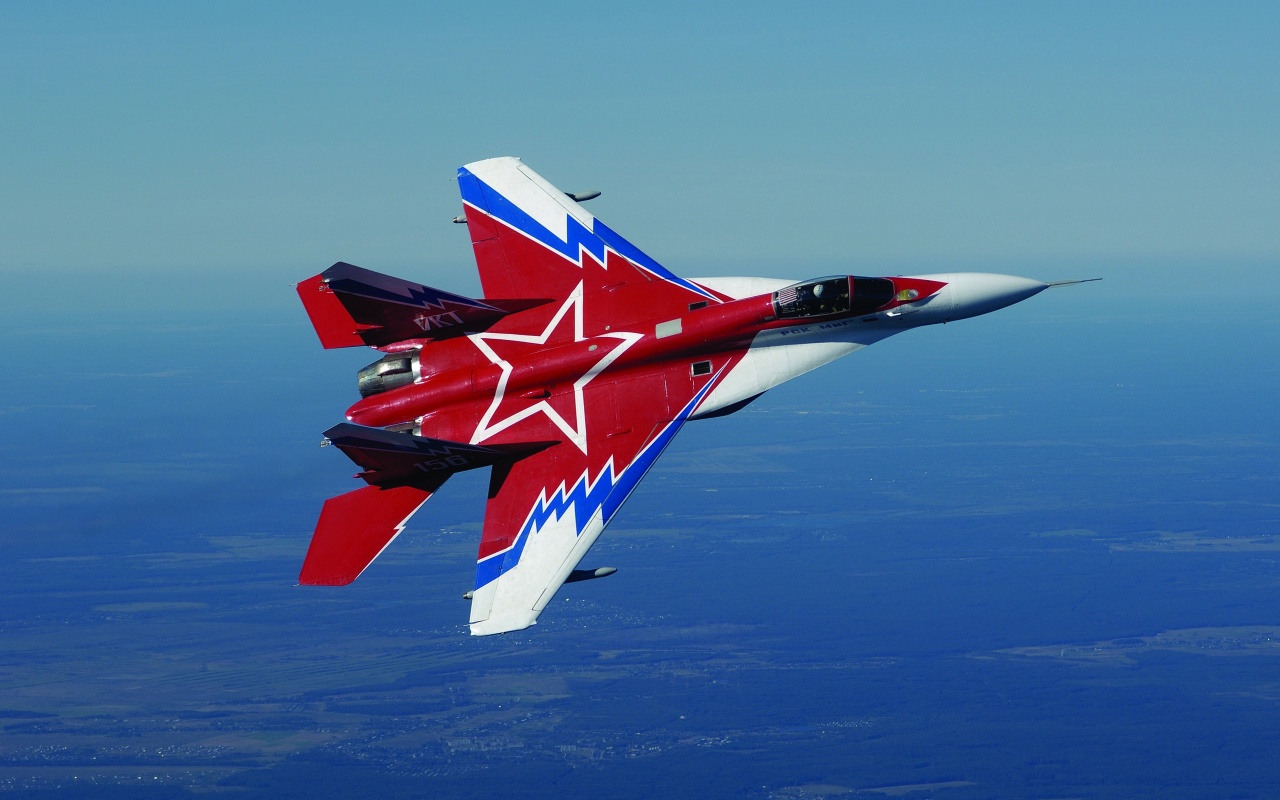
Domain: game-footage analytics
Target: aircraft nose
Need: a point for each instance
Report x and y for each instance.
(974, 293)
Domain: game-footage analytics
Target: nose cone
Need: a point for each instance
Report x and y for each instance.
(970, 294)
(975, 293)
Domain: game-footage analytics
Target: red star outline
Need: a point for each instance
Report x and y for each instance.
(576, 433)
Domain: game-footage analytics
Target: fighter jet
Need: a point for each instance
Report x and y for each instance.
(568, 379)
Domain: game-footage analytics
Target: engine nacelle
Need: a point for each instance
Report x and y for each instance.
(389, 372)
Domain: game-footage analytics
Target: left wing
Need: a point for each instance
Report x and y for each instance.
(532, 240)
(546, 510)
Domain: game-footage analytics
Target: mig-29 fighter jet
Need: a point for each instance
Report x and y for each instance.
(568, 379)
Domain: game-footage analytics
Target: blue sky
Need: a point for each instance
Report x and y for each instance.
(751, 138)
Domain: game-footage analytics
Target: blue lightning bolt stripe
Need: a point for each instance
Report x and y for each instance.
(606, 492)
(485, 198)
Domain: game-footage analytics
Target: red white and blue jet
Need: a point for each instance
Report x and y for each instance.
(568, 379)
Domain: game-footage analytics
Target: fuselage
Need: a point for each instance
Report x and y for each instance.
(770, 337)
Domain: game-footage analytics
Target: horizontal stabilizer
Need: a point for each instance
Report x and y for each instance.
(402, 459)
(354, 528)
(350, 307)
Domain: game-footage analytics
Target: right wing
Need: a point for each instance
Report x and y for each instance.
(545, 511)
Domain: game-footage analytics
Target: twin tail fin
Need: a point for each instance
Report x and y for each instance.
(350, 306)
(402, 471)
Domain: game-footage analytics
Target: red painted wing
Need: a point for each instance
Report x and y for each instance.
(546, 510)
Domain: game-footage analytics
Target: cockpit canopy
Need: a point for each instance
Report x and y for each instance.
(838, 294)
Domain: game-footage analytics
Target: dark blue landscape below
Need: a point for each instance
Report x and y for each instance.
(1034, 554)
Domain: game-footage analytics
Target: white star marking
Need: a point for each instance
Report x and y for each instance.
(576, 433)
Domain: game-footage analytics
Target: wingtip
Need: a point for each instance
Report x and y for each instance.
(509, 623)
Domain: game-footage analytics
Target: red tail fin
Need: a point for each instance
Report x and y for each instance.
(354, 529)
(402, 471)
(333, 323)
(350, 306)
